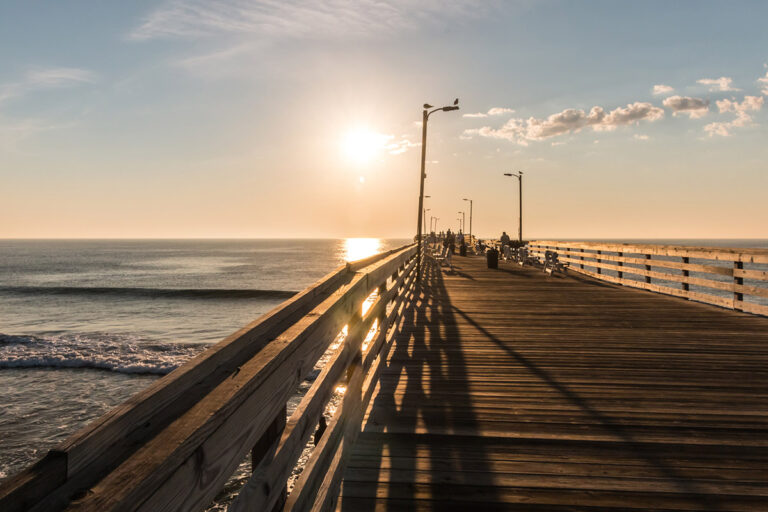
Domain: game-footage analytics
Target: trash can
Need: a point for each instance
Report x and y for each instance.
(492, 256)
(462, 250)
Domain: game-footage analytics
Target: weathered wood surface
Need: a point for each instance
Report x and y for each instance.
(718, 269)
(513, 390)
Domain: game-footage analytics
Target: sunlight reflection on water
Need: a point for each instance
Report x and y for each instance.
(359, 248)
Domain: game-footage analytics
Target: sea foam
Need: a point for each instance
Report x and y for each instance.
(98, 351)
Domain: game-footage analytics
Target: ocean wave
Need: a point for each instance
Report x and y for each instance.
(98, 351)
(184, 293)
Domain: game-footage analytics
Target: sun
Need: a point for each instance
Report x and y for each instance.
(361, 145)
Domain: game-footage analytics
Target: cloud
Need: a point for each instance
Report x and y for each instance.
(742, 111)
(570, 120)
(764, 83)
(718, 84)
(299, 18)
(640, 137)
(662, 89)
(694, 107)
(44, 78)
(54, 77)
(495, 111)
(401, 146)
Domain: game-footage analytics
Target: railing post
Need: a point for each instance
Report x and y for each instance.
(599, 270)
(738, 297)
(621, 264)
(686, 273)
(263, 446)
(582, 258)
(647, 269)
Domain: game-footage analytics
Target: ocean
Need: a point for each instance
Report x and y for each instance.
(85, 324)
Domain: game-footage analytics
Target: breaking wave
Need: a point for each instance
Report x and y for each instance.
(98, 351)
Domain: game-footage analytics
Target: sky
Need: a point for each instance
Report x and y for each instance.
(301, 118)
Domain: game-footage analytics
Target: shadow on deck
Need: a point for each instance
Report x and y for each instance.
(511, 390)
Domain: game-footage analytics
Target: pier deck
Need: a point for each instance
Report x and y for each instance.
(513, 390)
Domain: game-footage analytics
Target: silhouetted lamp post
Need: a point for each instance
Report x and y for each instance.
(470, 219)
(463, 222)
(425, 218)
(424, 118)
(519, 177)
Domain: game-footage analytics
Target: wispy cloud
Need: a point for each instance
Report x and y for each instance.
(764, 83)
(662, 89)
(495, 111)
(522, 131)
(693, 107)
(44, 78)
(333, 19)
(401, 146)
(14, 131)
(718, 84)
(54, 77)
(638, 136)
(742, 111)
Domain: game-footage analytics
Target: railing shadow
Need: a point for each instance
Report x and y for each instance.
(424, 394)
(654, 457)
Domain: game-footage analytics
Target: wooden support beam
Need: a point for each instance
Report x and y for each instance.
(621, 264)
(648, 268)
(738, 282)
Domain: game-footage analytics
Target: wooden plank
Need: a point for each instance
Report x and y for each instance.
(508, 389)
(23, 491)
(259, 492)
(746, 255)
(593, 260)
(758, 309)
(318, 485)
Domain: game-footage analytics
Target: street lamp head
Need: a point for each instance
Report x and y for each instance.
(465, 199)
(448, 109)
(508, 174)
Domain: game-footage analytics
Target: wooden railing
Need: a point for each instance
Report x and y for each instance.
(175, 445)
(719, 276)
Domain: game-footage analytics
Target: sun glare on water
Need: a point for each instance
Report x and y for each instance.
(359, 248)
(361, 146)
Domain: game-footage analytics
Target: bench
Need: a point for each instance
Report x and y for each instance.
(552, 263)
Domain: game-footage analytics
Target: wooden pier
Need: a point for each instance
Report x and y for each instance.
(478, 389)
(512, 390)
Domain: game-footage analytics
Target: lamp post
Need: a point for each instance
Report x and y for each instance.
(470, 219)
(519, 177)
(463, 222)
(425, 218)
(422, 174)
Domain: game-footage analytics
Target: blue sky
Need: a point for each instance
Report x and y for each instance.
(231, 118)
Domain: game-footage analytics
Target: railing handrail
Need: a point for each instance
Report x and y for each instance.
(644, 260)
(174, 445)
(743, 254)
